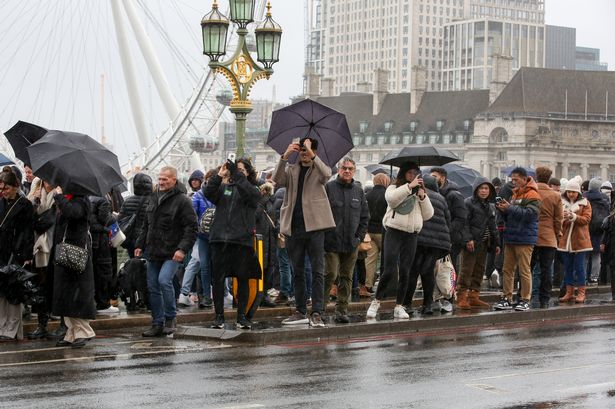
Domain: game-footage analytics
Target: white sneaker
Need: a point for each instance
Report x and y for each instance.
(184, 301)
(400, 313)
(494, 280)
(446, 306)
(372, 311)
(110, 310)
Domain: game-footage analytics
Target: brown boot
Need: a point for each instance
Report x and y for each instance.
(363, 293)
(333, 292)
(462, 299)
(475, 301)
(569, 296)
(580, 295)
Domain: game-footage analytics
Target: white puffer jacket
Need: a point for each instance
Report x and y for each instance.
(411, 222)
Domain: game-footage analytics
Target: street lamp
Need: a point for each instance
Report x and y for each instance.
(241, 70)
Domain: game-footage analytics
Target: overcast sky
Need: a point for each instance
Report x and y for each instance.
(53, 52)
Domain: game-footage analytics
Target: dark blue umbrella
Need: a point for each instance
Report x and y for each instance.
(530, 171)
(22, 135)
(4, 160)
(309, 118)
(463, 177)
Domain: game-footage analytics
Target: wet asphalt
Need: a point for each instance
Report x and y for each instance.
(568, 365)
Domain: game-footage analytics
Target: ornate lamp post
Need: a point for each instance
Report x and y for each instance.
(241, 70)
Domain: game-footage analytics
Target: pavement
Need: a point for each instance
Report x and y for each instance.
(193, 323)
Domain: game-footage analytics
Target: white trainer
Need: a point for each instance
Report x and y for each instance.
(110, 310)
(400, 313)
(184, 301)
(372, 311)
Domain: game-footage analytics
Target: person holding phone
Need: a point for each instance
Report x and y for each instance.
(408, 207)
(520, 235)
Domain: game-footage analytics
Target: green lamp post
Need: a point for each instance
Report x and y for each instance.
(241, 70)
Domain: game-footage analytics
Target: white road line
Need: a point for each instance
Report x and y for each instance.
(249, 406)
(487, 388)
(526, 373)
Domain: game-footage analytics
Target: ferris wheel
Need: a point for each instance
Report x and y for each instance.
(51, 77)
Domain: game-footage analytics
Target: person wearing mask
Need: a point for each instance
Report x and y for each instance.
(575, 241)
(234, 193)
(520, 235)
(304, 216)
(481, 236)
(351, 215)
(73, 291)
(168, 234)
(16, 243)
(408, 208)
(377, 208)
(434, 242)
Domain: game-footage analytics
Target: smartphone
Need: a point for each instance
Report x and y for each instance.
(231, 157)
(296, 140)
(498, 199)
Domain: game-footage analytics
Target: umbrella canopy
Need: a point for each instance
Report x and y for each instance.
(377, 168)
(463, 177)
(76, 163)
(4, 160)
(530, 170)
(421, 155)
(22, 135)
(309, 118)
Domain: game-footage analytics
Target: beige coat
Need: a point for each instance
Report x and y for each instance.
(411, 222)
(316, 209)
(575, 237)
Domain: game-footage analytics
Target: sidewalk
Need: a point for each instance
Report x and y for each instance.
(193, 322)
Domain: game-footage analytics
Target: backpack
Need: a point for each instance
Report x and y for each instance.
(206, 220)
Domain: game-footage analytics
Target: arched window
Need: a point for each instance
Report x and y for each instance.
(498, 135)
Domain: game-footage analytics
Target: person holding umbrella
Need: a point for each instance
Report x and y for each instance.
(408, 207)
(16, 242)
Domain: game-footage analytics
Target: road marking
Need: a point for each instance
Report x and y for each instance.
(485, 387)
(249, 406)
(544, 371)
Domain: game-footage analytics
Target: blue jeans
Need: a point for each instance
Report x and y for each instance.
(286, 279)
(161, 293)
(205, 263)
(574, 268)
(191, 269)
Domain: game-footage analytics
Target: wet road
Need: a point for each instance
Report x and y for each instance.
(564, 366)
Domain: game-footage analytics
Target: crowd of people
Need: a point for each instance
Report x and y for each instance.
(324, 238)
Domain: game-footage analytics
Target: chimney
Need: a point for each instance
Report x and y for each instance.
(312, 83)
(381, 84)
(363, 87)
(328, 87)
(419, 86)
(501, 75)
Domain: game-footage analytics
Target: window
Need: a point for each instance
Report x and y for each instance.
(414, 124)
(388, 126)
(439, 124)
(466, 125)
(363, 125)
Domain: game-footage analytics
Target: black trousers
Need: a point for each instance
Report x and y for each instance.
(399, 250)
(544, 257)
(424, 264)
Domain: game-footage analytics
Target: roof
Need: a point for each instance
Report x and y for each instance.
(454, 107)
(543, 91)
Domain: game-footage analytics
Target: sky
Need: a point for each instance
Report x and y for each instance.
(53, 53)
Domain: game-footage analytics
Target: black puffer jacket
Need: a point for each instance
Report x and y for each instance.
(481, 215)
(278, 201)
(457, 208)
(600, 211)
(351, 216)
(170, 224)
(377, 208)
(16, 233)
(143, 188)
(435, 233)
(236, 203)
(100, 218)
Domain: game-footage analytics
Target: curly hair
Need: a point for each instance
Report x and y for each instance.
(249, 168)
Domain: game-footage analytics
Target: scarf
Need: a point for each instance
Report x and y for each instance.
(44, 242)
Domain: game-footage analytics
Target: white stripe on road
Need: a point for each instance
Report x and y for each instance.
(526, 373)
(485, 387)
(249, 406)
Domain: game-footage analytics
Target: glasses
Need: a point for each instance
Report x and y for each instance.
(348, 168)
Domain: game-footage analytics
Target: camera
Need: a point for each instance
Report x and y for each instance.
(231, 157)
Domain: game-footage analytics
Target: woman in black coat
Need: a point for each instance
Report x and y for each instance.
(16, 242)
(73, 292)
(133, 211)
(265, 226)
(233, 190)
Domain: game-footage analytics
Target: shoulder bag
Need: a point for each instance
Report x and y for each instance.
(71, 256)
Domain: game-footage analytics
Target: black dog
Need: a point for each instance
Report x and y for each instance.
(132, 282)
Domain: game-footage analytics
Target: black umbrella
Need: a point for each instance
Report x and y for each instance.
(76, 163)
(22, 135)
(421, 155)
(463, 177)
(309, 118)
(377, 168)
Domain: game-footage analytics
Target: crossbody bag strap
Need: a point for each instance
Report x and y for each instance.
(9, 212)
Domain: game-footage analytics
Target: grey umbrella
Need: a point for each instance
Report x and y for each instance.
(424, 155)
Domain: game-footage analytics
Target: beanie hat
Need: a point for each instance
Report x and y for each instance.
(595, 184)
(573, 186)
(607, 185)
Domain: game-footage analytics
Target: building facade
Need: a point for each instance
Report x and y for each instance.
(588, 59)
(350, 39)
(560, 48)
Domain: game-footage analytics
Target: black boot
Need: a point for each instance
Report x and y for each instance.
(218, 322)
(59, 333)
(154, 331)
(243, 322)
(39, 333)
(169, 326)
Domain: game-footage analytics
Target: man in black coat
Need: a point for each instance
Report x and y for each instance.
(168, 234)
(456, 207)
(99, 218)
(351, 216)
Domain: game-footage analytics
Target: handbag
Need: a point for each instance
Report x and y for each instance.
(366, 244)
(207, 220)
(445, 278)
(116, 234)
(406, 206)
(71, 256)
